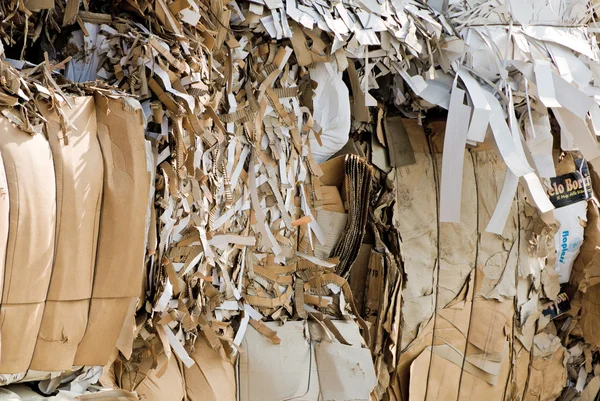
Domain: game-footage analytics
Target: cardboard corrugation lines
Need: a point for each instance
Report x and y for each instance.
(268, 199)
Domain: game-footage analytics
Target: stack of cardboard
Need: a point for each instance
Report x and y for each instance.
(188, 161)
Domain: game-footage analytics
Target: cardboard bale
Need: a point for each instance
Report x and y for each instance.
(211, 378)
(78, 166)
(32, 215)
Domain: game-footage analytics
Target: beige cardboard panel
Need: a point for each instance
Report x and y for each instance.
(345, 372)
(4, 219)
(159, 385)
(332, 200)
(31, 183)
(547, 377)
(415, 217)
(122, 233)
(78, 166)
(590, 315)
(497, 254)
(271, 372)
(63, 326)
(458, 241)
(435, 384)
(212, 378)
(19, 325)
(106, 318)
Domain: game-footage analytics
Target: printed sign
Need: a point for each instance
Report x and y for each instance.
(572, 187)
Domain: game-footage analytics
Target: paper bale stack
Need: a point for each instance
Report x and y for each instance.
(297, 199)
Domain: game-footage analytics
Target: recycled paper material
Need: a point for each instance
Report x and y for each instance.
(120, 254)
(162, 384)
(29, 254)
(331, 111)
(101, 333)
(321, 375)
(30, 174)
(4, 219)
(78, 167)
(211, 378)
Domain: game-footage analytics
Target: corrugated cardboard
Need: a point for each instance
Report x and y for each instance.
(106, 319)
(211, 378)
(31, 182)
(78, 165)
(121, 247)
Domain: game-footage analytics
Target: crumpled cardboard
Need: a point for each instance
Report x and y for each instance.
(165, 383)
(30, 175)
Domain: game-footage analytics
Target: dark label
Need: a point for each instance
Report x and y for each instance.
(558, 307)
(572, 187)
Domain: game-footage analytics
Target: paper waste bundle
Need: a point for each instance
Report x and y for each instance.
(299, 199)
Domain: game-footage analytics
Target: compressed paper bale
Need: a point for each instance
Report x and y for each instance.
(211, 378)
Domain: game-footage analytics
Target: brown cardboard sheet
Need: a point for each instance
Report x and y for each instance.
(4, 219)
(19, 325)
(62, 328)
(122, 232)
(32, 216)
(79, 169)
(78, 166)
(415, 217)
(165, 383)
(106, 319)
(457, 241)
(211, 378)
(31, 184)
